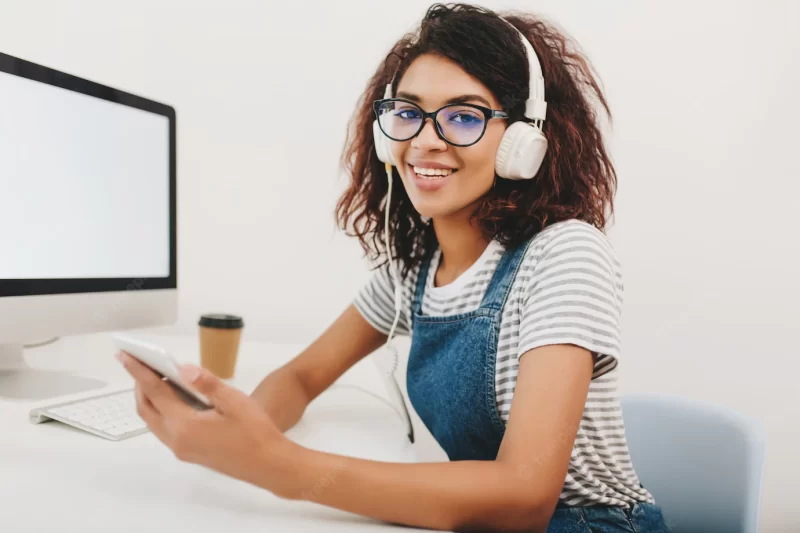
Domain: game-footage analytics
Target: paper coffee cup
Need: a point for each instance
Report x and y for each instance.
(219, 343)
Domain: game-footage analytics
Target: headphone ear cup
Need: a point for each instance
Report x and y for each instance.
(382, 146)
(521, 152)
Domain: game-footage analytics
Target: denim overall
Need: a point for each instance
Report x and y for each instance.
(451, 384)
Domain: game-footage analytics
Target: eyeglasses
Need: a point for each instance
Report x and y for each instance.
(456, 124)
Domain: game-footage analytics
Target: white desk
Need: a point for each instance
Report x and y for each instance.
(56, 478)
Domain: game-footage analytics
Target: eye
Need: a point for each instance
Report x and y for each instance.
(408, 113)
(466, 117)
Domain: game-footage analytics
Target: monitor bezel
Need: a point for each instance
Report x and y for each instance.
(34, 287)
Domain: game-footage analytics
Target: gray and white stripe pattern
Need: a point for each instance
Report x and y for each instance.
(568, 290)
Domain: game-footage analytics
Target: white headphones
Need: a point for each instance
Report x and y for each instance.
(523, 146)
(519, 157)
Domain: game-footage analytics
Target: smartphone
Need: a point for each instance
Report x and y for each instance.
(161, 362)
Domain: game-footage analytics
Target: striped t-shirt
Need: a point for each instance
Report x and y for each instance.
(568, 290)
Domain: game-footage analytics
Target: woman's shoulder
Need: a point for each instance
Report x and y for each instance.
(572, 226)
(573, 235)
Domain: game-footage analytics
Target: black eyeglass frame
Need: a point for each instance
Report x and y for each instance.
(488, 114)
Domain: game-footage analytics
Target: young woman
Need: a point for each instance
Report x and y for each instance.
(505, 282)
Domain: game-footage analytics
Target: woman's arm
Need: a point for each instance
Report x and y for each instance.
(517, 492)
(286, 392)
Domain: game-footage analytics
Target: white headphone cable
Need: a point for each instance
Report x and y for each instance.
(394, 388)
(392, 268)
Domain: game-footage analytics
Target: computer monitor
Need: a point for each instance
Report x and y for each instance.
(88, 237)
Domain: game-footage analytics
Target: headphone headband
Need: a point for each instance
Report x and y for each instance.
(536, 106)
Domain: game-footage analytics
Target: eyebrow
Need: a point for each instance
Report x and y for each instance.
(462, 99)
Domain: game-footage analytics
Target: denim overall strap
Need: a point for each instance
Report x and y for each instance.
(452, 364)
(422, 279)
(500, 285)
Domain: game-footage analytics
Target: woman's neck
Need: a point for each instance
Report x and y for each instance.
(461, 244)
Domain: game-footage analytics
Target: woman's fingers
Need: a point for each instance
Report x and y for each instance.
(159, 394)
(148, 412)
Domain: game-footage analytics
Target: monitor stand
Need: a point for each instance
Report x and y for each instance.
(20, 382)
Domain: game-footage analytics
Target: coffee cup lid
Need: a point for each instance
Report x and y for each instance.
(221, 321)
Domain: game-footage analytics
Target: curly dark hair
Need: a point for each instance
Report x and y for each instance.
(576, 179)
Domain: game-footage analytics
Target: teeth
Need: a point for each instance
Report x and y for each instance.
(432, 173)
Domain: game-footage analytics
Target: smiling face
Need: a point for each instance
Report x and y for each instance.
(442, 180)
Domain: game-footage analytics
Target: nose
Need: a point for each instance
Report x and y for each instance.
(428, 139)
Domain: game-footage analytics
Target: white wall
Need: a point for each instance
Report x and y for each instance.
(706, 114)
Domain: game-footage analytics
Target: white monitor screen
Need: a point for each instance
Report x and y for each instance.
(84, 186)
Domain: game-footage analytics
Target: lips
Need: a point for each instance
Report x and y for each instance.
(428, 182)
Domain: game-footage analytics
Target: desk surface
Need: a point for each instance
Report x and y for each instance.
(54, 477)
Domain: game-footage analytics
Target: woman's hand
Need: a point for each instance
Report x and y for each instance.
(236, 437)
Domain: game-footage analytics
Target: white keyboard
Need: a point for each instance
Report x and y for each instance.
(111, 416)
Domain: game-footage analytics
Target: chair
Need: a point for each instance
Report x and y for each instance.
(702, 463)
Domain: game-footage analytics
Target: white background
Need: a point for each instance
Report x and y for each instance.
(85, 185)
(705, 138)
